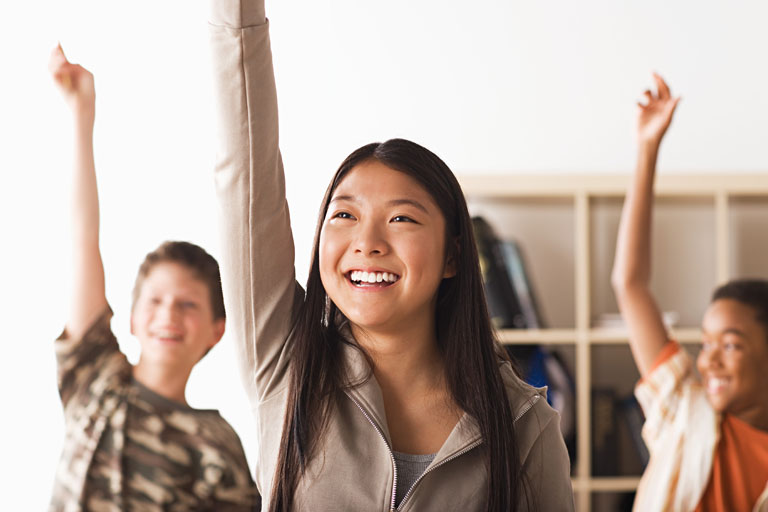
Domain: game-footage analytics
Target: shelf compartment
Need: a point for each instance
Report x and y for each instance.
(748, 244)
(544, 229)
(683, 255)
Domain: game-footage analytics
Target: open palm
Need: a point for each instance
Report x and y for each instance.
(654, 117)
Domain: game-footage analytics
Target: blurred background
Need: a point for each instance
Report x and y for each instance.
(493, 87)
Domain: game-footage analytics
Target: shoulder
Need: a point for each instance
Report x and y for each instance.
(214, 433)
(530, 410)
(523, 397)
(91, 364)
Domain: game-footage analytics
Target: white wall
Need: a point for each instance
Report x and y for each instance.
(491, 86)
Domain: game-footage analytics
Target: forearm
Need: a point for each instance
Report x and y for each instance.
(632, 264)
(88, 295)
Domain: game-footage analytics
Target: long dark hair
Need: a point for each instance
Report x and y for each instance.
(464, 335)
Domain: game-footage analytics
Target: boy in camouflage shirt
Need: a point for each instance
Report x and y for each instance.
(132, 442)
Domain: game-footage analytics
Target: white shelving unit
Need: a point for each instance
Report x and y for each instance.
(707, 229)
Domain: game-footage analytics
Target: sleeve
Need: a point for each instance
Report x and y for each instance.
(663, 390)
(260, 290)
(547, 471)
(84, 364)
(236, 491)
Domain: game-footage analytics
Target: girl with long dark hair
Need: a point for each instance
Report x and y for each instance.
(381, 387)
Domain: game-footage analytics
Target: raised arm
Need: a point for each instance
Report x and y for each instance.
(258, 274)
(632, 265)
(88, 297)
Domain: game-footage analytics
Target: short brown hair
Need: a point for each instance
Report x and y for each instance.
(193, 257)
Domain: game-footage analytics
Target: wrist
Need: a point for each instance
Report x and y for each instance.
(84, 118)
(649, 146)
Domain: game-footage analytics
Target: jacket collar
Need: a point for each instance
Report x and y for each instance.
(366, 393)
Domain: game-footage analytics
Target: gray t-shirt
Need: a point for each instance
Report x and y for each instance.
(409, 468)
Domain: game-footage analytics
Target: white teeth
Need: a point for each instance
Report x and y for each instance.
(372, 277)
(168, 335)
(715, 384)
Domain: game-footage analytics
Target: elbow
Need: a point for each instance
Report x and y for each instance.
(620, 280)
(624, 282)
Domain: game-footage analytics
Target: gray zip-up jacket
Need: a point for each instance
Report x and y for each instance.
(354, 469)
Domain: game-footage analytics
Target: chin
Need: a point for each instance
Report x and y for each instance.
(720, 405)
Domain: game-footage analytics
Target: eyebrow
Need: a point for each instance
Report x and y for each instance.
(730, 330)
(393, 202)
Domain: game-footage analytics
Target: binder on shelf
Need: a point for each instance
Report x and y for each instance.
(605, 441)
(634, 420)
(515, 263)
(511, 301)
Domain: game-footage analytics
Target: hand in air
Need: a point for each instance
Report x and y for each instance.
(654, 117)
(74, 81)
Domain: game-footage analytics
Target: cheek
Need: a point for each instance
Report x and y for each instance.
(331, 247)
(700, 366)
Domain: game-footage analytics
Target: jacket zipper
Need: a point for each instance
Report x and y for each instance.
(391, 455)
(525, 409)
(458, 454)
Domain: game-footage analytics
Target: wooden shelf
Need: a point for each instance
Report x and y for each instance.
(536, 336)
(606, 484)
(566, 224)
(595, 336)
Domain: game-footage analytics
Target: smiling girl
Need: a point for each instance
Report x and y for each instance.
(381, 387)
(708, 438)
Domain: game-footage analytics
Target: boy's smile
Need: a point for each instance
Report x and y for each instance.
(382, 248)
(733, 361)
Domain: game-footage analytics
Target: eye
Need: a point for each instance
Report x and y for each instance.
(188, 304)
(342, 215)
(403, 218)
(154, 301)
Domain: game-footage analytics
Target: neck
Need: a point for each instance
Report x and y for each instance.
(756, 417)
(170, 383)
(406, 360)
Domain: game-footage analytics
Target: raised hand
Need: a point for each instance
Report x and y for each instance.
(654, 117)
(75, 83)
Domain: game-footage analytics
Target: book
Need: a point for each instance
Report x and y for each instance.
(503, 306)
(605, 441)
(521, 284)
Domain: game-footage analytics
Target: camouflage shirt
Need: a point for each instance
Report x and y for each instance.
(128, 448)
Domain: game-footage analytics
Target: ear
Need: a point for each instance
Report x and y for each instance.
(218, 331)
(133, 330)
(450, 260)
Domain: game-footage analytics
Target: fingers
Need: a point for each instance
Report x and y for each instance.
(57, 59)
(59, 67)
(672, 106)
(661, 87)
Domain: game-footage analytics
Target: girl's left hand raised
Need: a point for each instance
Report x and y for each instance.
(654, 117)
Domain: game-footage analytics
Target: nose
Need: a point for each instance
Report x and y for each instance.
(712, 357)
(169, 310)
(370, 240)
